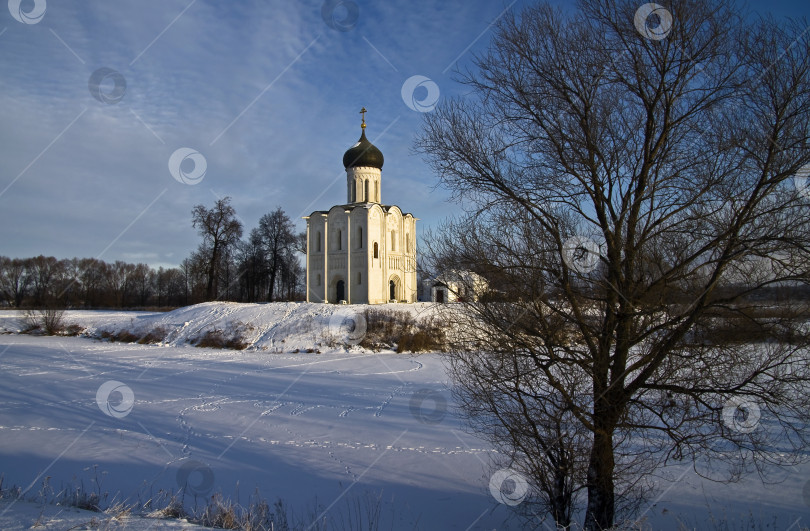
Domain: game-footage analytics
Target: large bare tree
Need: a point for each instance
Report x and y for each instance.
(220, 231)
(633, 177)
(278, 239)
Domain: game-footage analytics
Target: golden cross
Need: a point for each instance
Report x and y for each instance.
(363, 111)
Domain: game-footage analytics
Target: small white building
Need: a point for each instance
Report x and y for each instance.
(456, 286)
(361, 252)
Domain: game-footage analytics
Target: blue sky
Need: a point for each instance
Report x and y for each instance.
(266, 91)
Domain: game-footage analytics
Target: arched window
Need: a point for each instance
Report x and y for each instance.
(366, 190)
(359, 277)
(339, 240)
(318, 244)
(359, 237)
(376, 250)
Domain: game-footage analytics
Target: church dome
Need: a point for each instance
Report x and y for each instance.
(363, 153)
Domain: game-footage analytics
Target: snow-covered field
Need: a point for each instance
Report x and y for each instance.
(320, 431)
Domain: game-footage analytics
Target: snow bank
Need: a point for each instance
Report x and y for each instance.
(274, 327)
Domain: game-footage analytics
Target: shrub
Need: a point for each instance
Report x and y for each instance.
(402, 332)
(124, 336)
(426, 335)
(73, 330)
(47, 320)
(231, 339)
(155, 335)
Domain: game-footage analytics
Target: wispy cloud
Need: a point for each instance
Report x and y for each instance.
(191, 68)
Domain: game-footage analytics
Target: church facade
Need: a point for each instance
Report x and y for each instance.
(361, 252)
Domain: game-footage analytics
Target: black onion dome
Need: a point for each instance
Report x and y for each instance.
(363, 153)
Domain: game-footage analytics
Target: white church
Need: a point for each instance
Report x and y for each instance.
(361, 252)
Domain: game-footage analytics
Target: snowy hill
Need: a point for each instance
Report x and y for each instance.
(274, 327)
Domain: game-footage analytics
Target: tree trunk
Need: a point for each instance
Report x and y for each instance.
(273, 270)
(212, 273)
(561, 502)
(601, 496)
(272, 285)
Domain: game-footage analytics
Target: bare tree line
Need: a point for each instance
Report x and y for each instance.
(263, 268)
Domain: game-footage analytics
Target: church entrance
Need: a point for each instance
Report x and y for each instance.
(341, 291)
(440, 292)
(394, 288)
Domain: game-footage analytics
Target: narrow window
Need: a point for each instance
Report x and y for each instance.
(339, 240)
(376, 251)
(407, 242)
(359, 237)
(377, 191)
(318, 244)
(354, 191)
(366, 190)
(359, 277)
(319, 279)
(393, 241)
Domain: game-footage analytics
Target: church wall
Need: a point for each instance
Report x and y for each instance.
(338, 255)
(363, 185)
(395, 236)
(339, 236)
(359, 252)
(410, 288)
(315, 283)
(376, 281)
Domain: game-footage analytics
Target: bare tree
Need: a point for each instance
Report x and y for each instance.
(42, 269)
(118, 281)
(278, 238)
(142, 280)
(15, 280)
(169, 287)
(68, 286)
(92, 281)
(629, 177)
(252, 267)
(220, 231)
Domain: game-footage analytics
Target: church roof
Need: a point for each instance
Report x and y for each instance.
(367, 206)
(363, 153)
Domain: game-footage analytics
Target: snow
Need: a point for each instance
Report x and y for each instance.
(276, 327)
(319, 430)
(16, 514)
